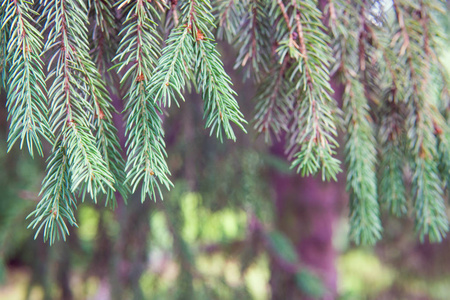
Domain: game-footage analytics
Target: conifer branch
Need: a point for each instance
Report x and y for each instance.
(137, 55)
(105, 132)
(220, 106)
(69, 94)
(361, 156)
(392, 187)
(427, 190)
(172, 71)
(4, 37)
(26, 99)
(57, 205)
(275, 102)
(228, 14)
(312, 142)
(192, 42)
(104, 28)
(354, 42)
(360, 148)
(429, 207)
(254, 38)
(388, 66)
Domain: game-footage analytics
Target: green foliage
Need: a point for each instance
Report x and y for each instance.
(58, 203)
(27, 105)
(275, 101)
(137, 55)
(312, 142)
(298, 101)
(220, 106)
(361, 159)
(386, 60)
(414, 44)
(191, 44)
(360, 146)
(248, 25)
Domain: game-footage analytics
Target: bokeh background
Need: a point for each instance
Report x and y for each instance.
(239, 224)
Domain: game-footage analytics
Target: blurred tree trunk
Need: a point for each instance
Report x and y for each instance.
(307, 210)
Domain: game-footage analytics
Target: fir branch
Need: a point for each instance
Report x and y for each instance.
(275, 99)
(137, 54)
(172, 71)
(106, 138)
(146, 156)
(220, 106)
(4, 37)
(26, 100)
(192, 41)
(103, 40)
(352, 46)
(361, 153)
(392, 190)
(391, 115)
(312, 142)
(228, 13)
(429, 206)
(412, 40)
(254, 38)
(69, 94)
(57, 205)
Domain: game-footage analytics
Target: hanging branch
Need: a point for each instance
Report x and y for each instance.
(426, 184)
(169, 77)
(4, 37)
(103, 40)
(275, 100)
(392, 190)
(392, 133)
(137, 55)
(75, 150)
(26, 99)
(58, 203)
(349, 38)
(102, 45)
(312, 142)
(69, 94)
(361, 154)
(106, 137)
(361, 158)
(254, 38)
(228, 15)
(191, 44)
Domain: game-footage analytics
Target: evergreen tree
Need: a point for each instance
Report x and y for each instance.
(60, 61)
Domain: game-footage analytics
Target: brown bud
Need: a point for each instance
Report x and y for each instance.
(200, 35)
(437, 129)
(100, 115)
(140, 78)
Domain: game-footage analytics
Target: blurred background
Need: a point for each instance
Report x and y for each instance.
(239, 224)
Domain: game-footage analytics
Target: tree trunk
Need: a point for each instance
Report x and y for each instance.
(307, 210)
